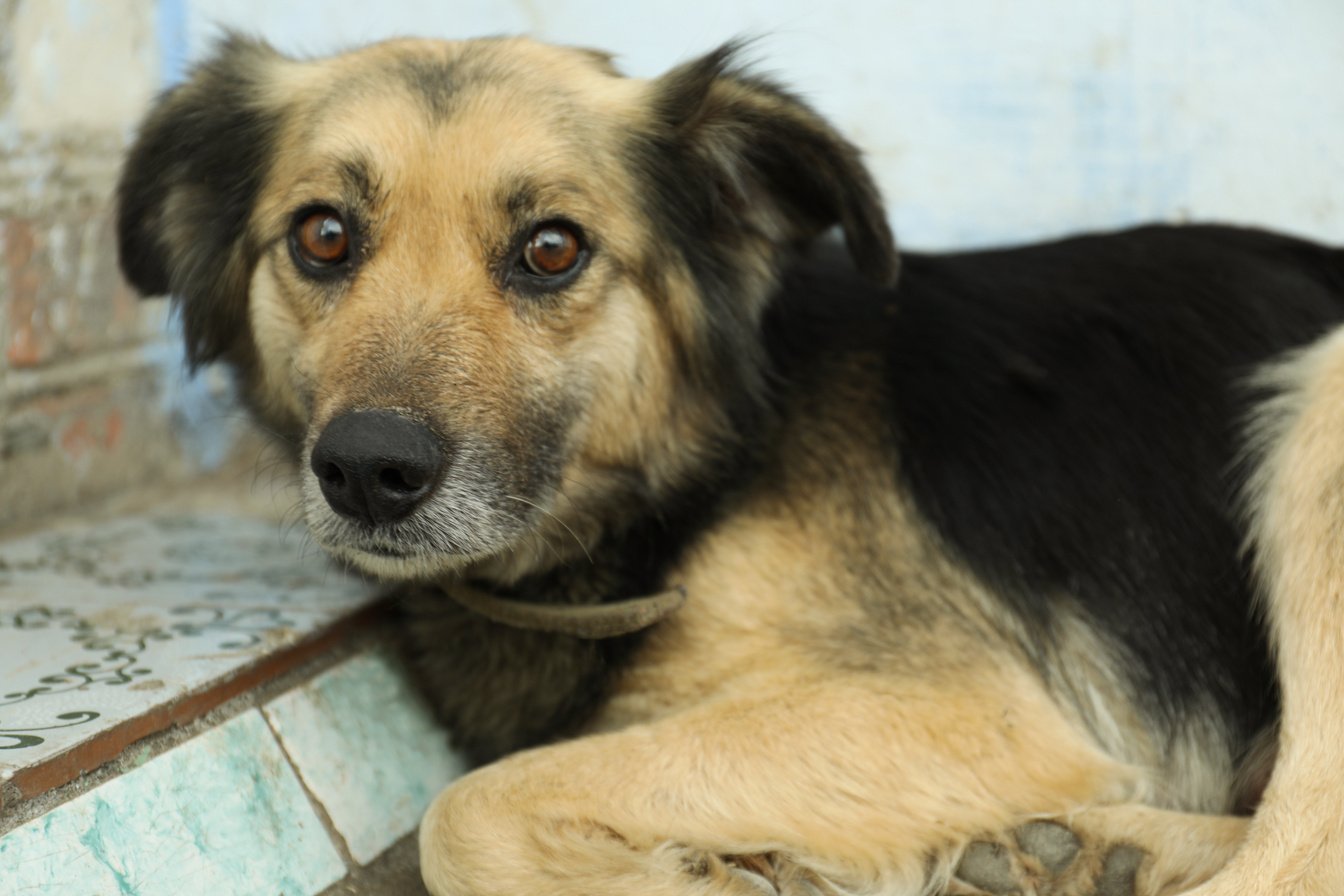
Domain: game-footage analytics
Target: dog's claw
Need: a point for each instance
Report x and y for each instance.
(775, 875)
(755, 880)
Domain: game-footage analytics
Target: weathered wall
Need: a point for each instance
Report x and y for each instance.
(89, 383)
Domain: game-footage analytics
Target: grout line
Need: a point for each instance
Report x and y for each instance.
(320, 810)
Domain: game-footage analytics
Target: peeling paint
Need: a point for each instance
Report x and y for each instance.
(7, 10)
(105, 827)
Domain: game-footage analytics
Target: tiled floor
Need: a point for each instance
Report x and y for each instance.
(110, 632)
(240, 809)
(104, 624)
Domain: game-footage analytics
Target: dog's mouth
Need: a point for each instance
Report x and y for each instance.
(403, 560)
(378, 550)
(460, 530)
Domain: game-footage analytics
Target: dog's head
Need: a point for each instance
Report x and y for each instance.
(493, 288)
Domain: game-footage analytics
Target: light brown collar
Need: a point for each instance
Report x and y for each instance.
(590, 621)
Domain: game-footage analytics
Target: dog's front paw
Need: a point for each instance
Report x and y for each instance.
(1046, 858)
(484, 837)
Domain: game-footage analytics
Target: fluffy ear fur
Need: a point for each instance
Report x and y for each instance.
(775, 166)
(187, 190)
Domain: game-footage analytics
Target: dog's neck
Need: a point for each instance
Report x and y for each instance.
(501, 686)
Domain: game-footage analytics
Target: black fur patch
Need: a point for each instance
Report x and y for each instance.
(745, 140)
(434, 82)
(724, 142)
(499, 689)
(1068, 418)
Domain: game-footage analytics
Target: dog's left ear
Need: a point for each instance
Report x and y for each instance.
(187, 189)
(777, 167)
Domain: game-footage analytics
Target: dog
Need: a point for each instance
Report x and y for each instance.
(744, 561)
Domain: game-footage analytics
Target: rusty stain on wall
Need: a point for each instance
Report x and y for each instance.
(91, 394)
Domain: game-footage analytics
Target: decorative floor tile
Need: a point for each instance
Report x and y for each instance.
(222, 814)
(104, 624)
(367, 747)
(179, 559)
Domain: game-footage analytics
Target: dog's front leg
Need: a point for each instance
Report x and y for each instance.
(849, 785)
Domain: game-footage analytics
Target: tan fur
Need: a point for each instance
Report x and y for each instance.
(1296, 842)
(1179, 771)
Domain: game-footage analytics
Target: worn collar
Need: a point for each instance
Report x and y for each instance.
(589, 621)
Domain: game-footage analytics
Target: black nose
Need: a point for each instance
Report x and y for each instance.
(376, 466)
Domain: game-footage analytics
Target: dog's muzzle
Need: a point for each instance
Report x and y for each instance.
(376, 466)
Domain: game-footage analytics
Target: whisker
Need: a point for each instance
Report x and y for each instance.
(558, 520)
(550, 546)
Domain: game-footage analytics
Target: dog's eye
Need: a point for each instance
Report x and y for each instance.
(552, 249)
(321, 239)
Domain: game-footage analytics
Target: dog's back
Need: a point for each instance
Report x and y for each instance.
(1071, 419)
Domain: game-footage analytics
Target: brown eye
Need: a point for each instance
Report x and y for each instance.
(320, 239)
(551, 250)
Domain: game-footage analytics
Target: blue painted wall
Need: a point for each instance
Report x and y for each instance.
(986, 121)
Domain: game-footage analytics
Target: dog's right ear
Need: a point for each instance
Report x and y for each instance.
(187, 190)
(755, 158)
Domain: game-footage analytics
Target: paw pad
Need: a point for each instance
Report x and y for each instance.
(1046, 858)
(1119, 872)
(989, 866)
(1053, 845)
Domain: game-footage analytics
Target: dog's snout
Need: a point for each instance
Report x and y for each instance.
(376, 466)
